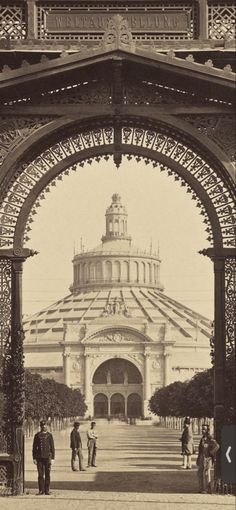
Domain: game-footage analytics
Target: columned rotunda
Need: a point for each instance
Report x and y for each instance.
(117, 336)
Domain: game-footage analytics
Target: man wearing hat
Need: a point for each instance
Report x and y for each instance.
(43, 456)
(92, 444)
(76, 448)
(187, 444)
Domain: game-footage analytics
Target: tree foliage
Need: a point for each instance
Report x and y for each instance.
(195, 397)
(46, 397)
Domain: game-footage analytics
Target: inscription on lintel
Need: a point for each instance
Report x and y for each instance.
(166, 22)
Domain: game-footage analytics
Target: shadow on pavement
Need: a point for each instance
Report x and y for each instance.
(106, 481)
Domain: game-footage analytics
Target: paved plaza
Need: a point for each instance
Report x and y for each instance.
(138, 467)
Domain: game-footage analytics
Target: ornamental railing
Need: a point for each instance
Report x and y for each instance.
(59, 20)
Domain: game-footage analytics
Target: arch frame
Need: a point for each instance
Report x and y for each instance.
(11, 259)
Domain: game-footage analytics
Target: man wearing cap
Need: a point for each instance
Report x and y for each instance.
(76, 448)
(43, 456)
(92, 444)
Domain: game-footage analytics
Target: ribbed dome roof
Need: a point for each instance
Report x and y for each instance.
(143, 305)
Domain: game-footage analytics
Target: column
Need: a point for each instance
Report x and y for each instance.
(87, 385)
(147, 385)
(167, 367)
(109, 405)
(66, 365)
(126, 398)
(16, 378)
(219, 351)
(203, 19)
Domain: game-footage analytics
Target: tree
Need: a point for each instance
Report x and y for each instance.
(199, 395)
(170, 400)
(195, 397)
(46, 397)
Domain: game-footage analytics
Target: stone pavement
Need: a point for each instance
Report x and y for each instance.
(138, 468)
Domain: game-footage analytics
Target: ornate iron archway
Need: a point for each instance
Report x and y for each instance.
(47, 134)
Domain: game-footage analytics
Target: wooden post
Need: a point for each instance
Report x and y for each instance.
(203, 20)
(31, 20)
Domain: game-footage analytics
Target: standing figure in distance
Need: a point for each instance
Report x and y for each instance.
(92, 444)
(76, 447)
(187, 444)
(43, 456)
(206, 457)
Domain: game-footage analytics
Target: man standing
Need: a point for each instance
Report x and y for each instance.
(76, 447)
(206, 457)
(43, 456)
(92, 445)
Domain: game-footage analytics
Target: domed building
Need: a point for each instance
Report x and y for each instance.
(117, 336)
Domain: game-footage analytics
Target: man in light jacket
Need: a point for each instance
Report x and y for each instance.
(92, 445)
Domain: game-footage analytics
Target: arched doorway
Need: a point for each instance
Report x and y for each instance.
(134, 406)
(116, 378)
(37, 151)
(117, 406)
(100, 405)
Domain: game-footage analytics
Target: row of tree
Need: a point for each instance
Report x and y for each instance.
(195, 397)
(46, 397)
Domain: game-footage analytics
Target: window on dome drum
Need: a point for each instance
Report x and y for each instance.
(116, 271)
(108, 270)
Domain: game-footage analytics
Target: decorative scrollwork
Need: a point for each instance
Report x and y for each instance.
(230, 305)
(118, 33)
(219, 128)
(5, 320)
(157, 142)
(14, 130)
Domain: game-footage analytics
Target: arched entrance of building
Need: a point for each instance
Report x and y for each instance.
(38, 150)
(117, 406)
(134, 406)
(117, 379)
(100, 406)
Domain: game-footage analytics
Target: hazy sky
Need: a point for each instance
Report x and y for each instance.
(158, 209)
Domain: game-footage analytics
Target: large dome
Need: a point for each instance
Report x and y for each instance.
(116, 281)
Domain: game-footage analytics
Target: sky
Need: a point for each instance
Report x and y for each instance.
(159, 211)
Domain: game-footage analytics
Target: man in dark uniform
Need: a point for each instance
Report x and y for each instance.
(76, 447)
(43, 456)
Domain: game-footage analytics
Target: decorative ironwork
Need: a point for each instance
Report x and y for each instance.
(230, 305)
(14, 130)
(92, 92)
(118, 32)
(48, 32)
(6, 478)
(5, 320)
(148, 93)
(219, 128)
(221, 19)
(12, 21)
(29, 175)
